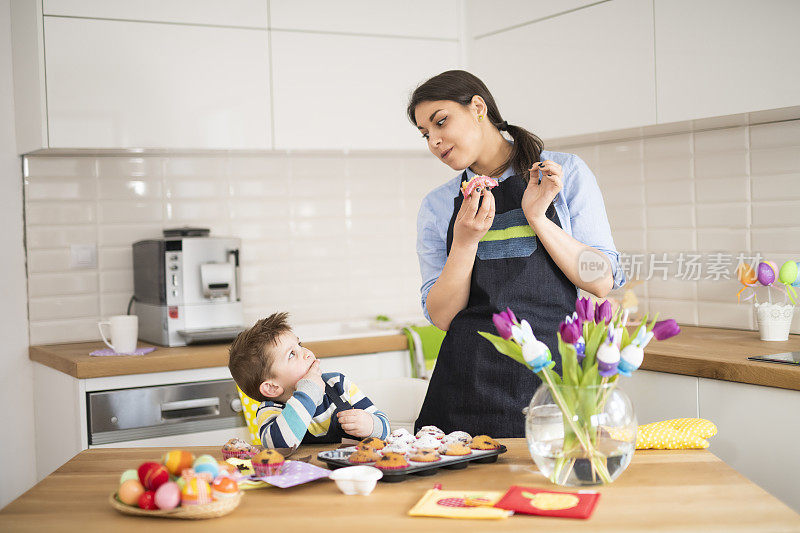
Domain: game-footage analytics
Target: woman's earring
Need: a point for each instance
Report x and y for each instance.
(480, 117)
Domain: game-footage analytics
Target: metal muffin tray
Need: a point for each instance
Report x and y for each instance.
(339, 458)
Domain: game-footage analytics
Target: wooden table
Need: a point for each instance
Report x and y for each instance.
(681, 490)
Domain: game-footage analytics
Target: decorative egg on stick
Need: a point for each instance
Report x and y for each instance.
(767, 274)
(748, 278)
(788, 275)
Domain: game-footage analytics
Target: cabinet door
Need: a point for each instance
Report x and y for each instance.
(586, 71)
(350, 92)
(501, 14)
(660, 396)
(719, 57)
(240, 13)
(410, 18)
(758, 432)
(116, 84)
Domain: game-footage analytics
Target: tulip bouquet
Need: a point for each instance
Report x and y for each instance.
(595, 349)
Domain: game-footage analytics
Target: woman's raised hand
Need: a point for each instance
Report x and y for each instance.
(473, 222)
(538, 196)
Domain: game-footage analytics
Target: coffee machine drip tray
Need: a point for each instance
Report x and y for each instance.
(199, 336)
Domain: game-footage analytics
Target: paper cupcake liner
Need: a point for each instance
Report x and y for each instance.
(227, 454)
(392, 467)
(267, 470)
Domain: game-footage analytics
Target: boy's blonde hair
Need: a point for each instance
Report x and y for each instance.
(250, 359)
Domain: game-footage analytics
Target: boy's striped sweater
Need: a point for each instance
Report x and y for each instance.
(308, 416)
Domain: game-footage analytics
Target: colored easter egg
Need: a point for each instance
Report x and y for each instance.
(788, 273)
(177, 461)
(147, 501)
(797, 281)
(206, 464)
(130, 491)
(224, 487)
(153, 475)
(746, 274)
(196, 492)
(128, 474)
(767, 272)
(168, 495)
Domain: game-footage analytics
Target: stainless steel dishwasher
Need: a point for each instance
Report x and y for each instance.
(183, 414)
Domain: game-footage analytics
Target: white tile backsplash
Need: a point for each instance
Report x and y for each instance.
(324, 236)
(331, 236)
(731, 190)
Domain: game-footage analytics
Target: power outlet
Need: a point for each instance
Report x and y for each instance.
(83, 256)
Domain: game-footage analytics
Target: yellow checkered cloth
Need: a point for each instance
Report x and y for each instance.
(249, 408)
(675, 434)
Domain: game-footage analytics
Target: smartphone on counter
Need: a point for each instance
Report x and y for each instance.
(786, 358)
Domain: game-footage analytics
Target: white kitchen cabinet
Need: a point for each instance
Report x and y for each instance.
(410, 18)
(502, 14)
(238, 13)
(660, 396)
(61, 413)
(119, 84)
(350, 92)
(758, 431)
(720, 57)
(586, 71)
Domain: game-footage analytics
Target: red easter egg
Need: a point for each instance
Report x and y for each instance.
(153, 475)
(147, 501)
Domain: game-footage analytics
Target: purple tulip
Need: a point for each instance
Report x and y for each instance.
(583, 307)
(570, 333)
(510, 315)
(666, 329)
(503, 324)
(602, 312)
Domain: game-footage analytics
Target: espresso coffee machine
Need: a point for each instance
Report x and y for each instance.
(187, 288)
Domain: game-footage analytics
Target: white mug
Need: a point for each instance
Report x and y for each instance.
(124, 333)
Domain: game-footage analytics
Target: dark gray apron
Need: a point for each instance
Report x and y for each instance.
(474, 388)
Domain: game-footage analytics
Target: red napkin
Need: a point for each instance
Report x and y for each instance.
(528, 500)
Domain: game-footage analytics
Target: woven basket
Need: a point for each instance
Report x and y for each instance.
(188, 512)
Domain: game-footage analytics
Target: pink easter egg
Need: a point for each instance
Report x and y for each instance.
(168, 495)
(767, 272)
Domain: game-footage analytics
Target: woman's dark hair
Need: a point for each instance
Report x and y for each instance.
(460, 86)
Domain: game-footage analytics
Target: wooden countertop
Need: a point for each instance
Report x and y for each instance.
(680, 490)
(74, 358)
(714, 353)
(718, 353)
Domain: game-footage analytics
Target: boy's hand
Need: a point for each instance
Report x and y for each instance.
(356, 422)
(315, 374)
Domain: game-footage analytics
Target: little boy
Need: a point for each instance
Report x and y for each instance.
(299, 403)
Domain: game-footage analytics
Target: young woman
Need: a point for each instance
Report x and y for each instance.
(527, 244)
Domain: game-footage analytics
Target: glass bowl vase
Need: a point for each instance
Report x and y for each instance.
(580, 436)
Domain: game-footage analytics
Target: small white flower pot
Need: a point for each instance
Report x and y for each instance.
(774, 320)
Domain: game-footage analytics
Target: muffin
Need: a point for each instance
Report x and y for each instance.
(364, 455)
(371, 443)
(484, 442)
(457, 448)
(392, 461)
(268, 463)
(424, 456)
(430, 430)
(427, 442)
(238, 449)
(461, 436)
(400, 447)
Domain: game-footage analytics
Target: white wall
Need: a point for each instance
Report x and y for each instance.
(17, 458)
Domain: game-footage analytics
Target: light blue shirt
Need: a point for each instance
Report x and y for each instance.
(579, 205)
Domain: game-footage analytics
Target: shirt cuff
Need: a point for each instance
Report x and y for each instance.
(617, 272)
(377, 426)
(312, 389)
